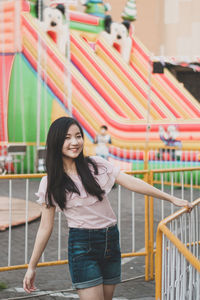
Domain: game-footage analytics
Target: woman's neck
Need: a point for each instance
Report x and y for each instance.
(69, 165)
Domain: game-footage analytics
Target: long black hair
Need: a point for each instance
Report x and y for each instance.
(58, 182)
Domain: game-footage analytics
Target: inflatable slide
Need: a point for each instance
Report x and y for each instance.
(105, 90)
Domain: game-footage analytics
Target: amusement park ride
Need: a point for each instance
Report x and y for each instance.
(88, 78)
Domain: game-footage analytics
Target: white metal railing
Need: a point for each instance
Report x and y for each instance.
(24, 186)
(127, 207)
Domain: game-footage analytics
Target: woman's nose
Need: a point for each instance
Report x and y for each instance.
(74, 141)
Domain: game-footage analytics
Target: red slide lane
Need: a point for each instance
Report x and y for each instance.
(6, 62)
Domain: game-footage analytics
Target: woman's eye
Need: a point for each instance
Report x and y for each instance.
(67, 137)
(79, 136)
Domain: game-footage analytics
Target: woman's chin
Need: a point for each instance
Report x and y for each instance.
(71, 155)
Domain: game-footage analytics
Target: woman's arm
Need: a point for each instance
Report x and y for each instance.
(42, 237)
(141, 187)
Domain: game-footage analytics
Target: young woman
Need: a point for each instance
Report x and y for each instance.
(79, 186)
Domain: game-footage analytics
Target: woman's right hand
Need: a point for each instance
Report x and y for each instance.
(28, 282)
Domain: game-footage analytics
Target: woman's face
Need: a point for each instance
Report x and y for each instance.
(73, 144)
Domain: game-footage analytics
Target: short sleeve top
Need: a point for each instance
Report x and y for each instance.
(85, 210)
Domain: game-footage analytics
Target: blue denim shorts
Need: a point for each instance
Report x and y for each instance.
(94, 256)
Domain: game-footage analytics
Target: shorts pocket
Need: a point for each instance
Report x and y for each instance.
(79, 249)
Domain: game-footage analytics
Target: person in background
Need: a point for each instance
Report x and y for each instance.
(103, 139)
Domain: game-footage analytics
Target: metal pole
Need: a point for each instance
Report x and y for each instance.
(68, 66)
(148, 116)
(38, 83)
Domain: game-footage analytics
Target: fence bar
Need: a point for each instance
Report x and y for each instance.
(26, 222)
(146, 234)
(10, 222)
(119, 210)
(59, 235)
(133, 220)
(151, 229)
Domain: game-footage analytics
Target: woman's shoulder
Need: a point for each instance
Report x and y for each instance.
(104, 164)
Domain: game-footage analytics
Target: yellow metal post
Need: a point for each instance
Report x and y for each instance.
(158, 267)
(151, 229)
(146, 234)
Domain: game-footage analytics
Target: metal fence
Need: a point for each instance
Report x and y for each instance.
(134, 212)
(23, 186)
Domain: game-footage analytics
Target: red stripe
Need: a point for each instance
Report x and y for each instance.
(84, 18)
(6, 61)
(103, 74)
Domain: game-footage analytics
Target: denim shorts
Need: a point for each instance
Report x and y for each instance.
(94, 256)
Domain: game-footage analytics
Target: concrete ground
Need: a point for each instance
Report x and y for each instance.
(54, 282)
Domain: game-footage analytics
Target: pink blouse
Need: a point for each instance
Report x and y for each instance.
(84, 210)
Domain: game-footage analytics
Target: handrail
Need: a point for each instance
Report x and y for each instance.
(40, 175)
(22, 176)
(175, 170)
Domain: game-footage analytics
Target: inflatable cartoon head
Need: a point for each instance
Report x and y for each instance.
(118, 31)
(53, 17)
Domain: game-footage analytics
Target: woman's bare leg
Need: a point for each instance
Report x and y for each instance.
(108, 291)
(92, 293)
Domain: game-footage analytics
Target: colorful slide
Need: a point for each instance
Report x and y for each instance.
(105, 90)
(95, 86)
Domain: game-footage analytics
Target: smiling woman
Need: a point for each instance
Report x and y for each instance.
(65, 158)
(79, 186)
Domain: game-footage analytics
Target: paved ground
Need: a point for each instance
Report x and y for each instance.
(56, 279)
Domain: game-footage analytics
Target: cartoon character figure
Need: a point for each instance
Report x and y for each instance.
(54, 24)
(96, 7)
(117, 35)
(52, 16)
(169, 138)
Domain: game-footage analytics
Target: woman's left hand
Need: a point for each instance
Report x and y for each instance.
(182, 203)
